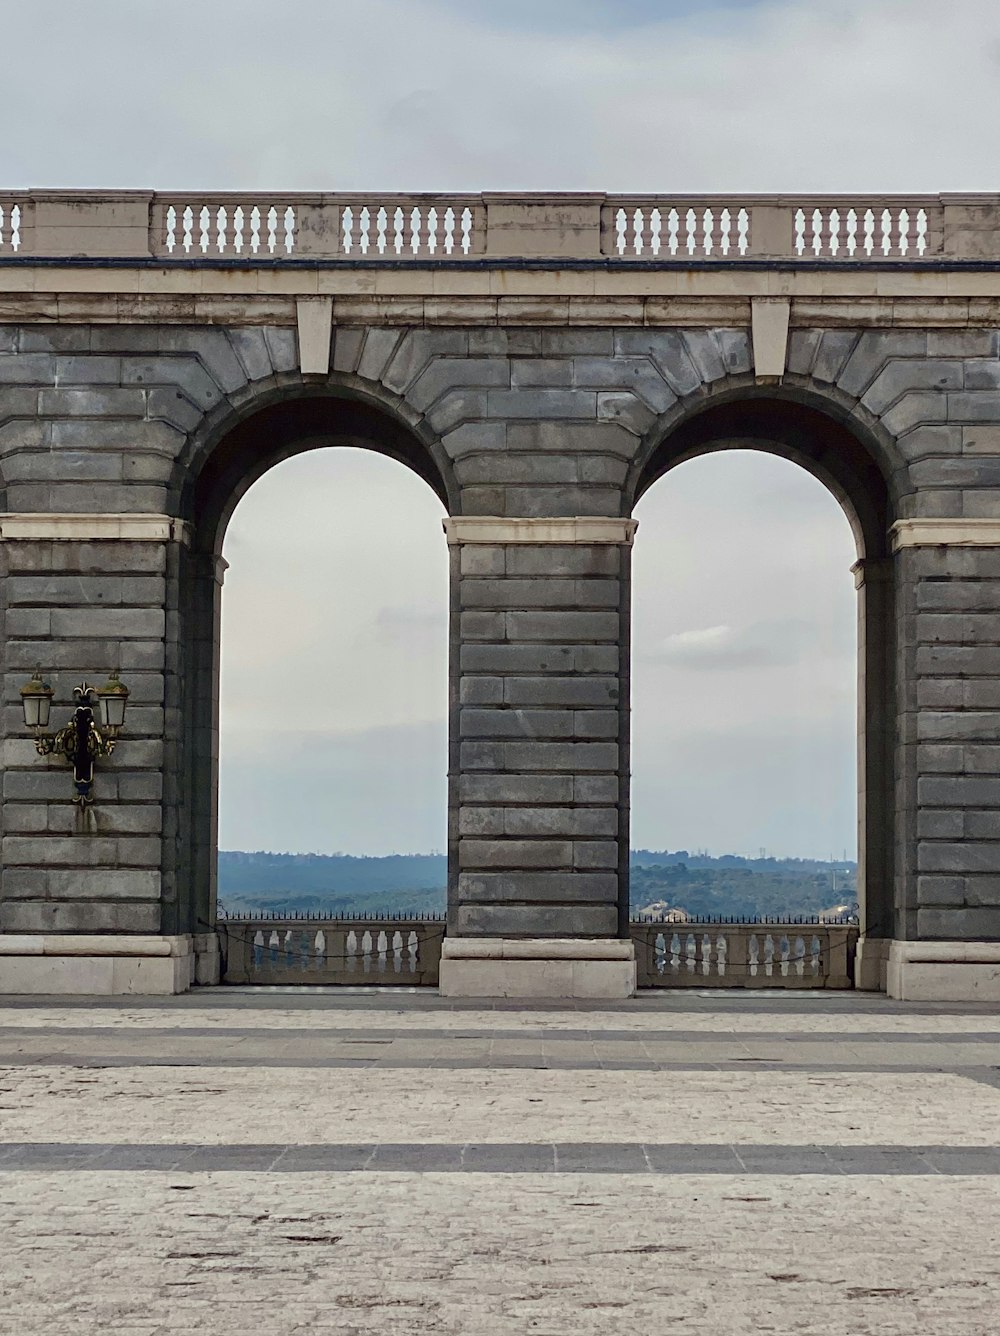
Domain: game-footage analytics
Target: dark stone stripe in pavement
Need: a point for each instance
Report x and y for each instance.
(505, 1158)
(147, 1034)
(544, 1061)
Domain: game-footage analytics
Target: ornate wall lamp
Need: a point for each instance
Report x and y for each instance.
(81, 741)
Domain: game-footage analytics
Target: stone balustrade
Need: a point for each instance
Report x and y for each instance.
(372, 227)
(744, 955)
(331, 951)
(380, 951)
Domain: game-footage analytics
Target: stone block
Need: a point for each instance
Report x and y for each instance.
(940, 891)
(509, 853)
(282, 348)
(548, 658)
(538, 887)
(897, 378)
(481, 559)
(559, 559)
(540, 593)
(590, 854)
(513, 788)
(475, 438)
(596, 724)
(577, 438)
(457, 407)
(568, 691)
(959, 925)
(965, 856)
(625, 408)
(874, 348)
(481, 690)
(577, 342)
(570, 756)
(444, 375)
(514, 404)
(586, 979)
(528, 920)
(503, 723)
(959, 791)
(251, 348)
(595, 788)
(416, 349)
(705, 354)
(79, 916)
(563, 626)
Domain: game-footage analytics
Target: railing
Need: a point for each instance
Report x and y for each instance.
(744, 955)
(407, 951)
(662, 229)
(331, 951)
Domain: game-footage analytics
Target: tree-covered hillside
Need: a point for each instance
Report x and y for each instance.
(695, 884)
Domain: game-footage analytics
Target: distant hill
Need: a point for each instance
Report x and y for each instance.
(695, 884)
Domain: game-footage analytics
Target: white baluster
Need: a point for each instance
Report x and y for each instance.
(289, 220)
(638, 228)
(655, 224)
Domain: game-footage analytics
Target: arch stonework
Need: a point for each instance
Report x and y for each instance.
(128, 433)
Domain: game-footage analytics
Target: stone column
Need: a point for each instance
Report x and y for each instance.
(538, 805)
(873, 578)
(946, 943)
(86, 896)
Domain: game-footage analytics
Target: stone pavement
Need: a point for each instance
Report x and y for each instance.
(387, 1161)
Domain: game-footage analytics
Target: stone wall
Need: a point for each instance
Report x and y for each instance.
(515, 423)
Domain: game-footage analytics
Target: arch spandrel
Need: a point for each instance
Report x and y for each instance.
(856, 463)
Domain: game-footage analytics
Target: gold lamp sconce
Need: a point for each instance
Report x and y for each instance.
(82, 741)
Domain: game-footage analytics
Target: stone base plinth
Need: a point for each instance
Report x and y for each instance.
(537, 967)
(93, 965)
(944, 971)
(870, 964)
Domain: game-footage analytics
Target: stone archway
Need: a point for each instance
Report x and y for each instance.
(854, 470)
(216, 474)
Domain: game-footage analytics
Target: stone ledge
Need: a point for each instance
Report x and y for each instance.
(87, 944)
(536, 948)
(945, 533)
(497, 530)
(71, 528)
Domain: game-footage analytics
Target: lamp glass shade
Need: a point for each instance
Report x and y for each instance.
(36, 701)
(112, 697)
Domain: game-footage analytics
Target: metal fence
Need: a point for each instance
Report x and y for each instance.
(792, 953)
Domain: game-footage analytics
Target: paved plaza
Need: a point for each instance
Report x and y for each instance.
(263, 1161)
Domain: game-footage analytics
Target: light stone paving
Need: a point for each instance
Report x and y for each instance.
(719, 1013)
(148, 1255)
(246, 1105)
(811, 1197)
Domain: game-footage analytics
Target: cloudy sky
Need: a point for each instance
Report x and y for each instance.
(744, 690)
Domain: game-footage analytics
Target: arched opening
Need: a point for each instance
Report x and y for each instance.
(751, 684)
(330, 543)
